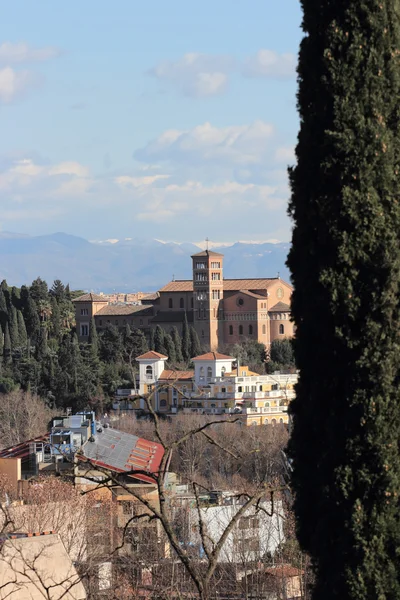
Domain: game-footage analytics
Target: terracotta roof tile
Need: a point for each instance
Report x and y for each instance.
(207, 253)
(230, 285)
(171, 375)
(121, 310)
(213, 356)
(91, 298)
(280, 307)
(151, 355)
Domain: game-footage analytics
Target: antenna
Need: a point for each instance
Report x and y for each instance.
(207, 240)
(173, 277)
(279, 275)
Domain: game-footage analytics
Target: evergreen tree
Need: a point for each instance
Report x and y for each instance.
(178, 345)
(55, 319)
(13, 327)
(170, 348)
(93, 338)
(16, 298)
(7, 344)
(3, 309)
(159, 345)
(186, 350)
(41, 349)
(110, 344)
(1, 346)
(30, 313)
(58, 290)
(23, 338)
(39, 292)
(152, 341)
(195, 347)
(345, 264)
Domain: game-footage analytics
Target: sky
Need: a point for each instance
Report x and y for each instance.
(148, 119)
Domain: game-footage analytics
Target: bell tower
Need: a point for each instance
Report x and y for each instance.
(208, 288)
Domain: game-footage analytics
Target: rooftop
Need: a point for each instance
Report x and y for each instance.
(123, 452)
(172, 375)
(230, 285)
(206, 253)
(91, 298)
(122, 310)
(214, 356)
(151, 355)
(280, 307)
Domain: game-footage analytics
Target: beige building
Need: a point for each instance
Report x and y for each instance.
(223, 311)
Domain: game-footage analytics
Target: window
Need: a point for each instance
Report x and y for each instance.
(250, 329)
(209, 372)
(264, 329)
(181, 303)
(240, 388)
(84, 312)
(223, 390)
(240, 329)
(240, 302)
(281, 329)
(212, 405)
(223, 371)
(200, 265)
(248, 523)
(201, 277)
(163, 403)
(230, 329)
(149, 372)
(202, 333)
(116, 321)
(281, 421)
(170, 303)
(84, 330)
(273, 422)
(215, 265)
(141, 322)
(201, 372)
(266, 404)
(191, 302)
(201, 295)
(215, 276)
(100, 322)
(260, 388)
(216, 294)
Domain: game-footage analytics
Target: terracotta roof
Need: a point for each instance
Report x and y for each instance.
(172, 316)
(171, 375)
(207, 253)
(22, 450)
(151, 355)
(152, 296)
(280, 307)
(230, 285)
(258, 296)
(120, 310)
(284, 571)
(91, 298)
(213, 356)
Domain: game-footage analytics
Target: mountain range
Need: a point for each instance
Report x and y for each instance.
(125, 265)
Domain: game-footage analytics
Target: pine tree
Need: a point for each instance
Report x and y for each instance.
(178, 345)
(170, 348)
(186, 350)
(58, 290)
(195, 347)
(345, 264)
(23, 337)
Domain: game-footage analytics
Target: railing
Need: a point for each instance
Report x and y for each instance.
(265, 410)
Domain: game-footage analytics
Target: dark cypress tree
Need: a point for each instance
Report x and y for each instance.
(345, 264)
(3, 309)
(41, 349)
(186, 340)
(152, 341)
(23, 337)
(1, 346)
(178, 345)
(13, 326)
(170, 348)
(195, 347)
(159, 345)
(7, 344)
(31, 317)
(55, 319)
(93, 339)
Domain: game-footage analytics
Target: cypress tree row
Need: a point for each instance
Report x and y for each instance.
(345, 264)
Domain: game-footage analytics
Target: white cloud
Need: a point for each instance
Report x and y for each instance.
(13, 84)
(127, 181)
(285, 154)
(197, 75)
(234, 145)
(267, 63)
(22, 53)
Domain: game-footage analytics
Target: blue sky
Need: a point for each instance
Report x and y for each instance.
(172, 120)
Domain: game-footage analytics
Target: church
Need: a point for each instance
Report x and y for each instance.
(223, 311)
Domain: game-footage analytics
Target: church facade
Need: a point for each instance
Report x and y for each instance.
(223, 311)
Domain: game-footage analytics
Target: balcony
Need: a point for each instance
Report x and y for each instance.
(265, 410)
